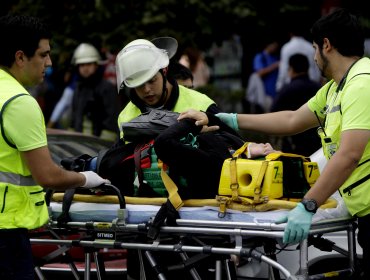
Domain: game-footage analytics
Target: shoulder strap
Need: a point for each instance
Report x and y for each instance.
(327, 92)
(168, 213)
(358, 74)
(173, 195)
(1, 118)
(140, 152)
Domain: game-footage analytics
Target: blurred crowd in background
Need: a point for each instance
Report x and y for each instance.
(241, 74)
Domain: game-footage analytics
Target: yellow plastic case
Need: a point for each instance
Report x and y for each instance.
(247, 175)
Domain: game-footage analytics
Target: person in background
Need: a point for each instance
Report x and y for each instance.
(194, 60)
(266, 66)
(340, 110)
(296, 44)
(95, 101)
(292, 96)
(61, 115)
(26, 166)
(181, 74)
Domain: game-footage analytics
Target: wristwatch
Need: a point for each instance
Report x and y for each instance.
(310, 205)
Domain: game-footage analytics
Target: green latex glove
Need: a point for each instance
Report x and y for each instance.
(299, 223)
(229, 119)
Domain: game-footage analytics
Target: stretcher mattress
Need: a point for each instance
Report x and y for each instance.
(105, 212)
(206, 220)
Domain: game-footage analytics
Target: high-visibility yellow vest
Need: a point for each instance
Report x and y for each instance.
(188, 99)
(22, 201)
(356, 189)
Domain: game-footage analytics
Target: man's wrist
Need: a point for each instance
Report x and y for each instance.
(310, 205)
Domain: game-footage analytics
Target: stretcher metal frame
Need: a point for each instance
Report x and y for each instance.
(238, 231)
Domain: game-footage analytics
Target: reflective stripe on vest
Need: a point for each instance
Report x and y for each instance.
(16, 179)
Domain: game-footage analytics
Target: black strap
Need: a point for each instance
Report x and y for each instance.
(341, 85)
(1, 118)
(166, 215)
(142, 151)
(64, 217)
(48, 196)
(137, 159)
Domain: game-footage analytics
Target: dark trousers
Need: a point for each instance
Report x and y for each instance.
(16, 261)
(364, 241)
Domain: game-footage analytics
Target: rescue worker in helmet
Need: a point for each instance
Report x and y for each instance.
(142, 66)
(93, 102)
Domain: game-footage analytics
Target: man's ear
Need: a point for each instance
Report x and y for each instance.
(19, 57)
(326, 45)
(165, 70)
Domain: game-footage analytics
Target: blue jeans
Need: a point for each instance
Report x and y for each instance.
(16, 261)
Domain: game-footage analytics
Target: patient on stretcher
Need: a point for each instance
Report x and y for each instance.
(198, 157)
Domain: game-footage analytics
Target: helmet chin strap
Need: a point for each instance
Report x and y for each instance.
(164, 89)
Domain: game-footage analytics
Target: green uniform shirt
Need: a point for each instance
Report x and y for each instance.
(344, 109)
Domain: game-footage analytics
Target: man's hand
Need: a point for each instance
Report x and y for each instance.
(199, 117)
(299, 223)
(93, 180)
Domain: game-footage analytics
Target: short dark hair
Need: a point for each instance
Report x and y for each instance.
(299, 63)
(22, 33)
(343, 30)
(178, 71)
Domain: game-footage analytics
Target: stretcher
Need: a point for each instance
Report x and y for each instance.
(200, 232)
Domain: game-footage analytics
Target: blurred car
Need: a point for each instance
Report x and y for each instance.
(53, 265)
(63, 144)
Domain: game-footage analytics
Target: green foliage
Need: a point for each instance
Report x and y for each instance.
(192, 22)
(114, 23)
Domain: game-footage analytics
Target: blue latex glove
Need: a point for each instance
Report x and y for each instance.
(299, 223)
(229, 119)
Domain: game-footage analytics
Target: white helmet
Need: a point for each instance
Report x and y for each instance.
(141, 59)
(85, 53)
